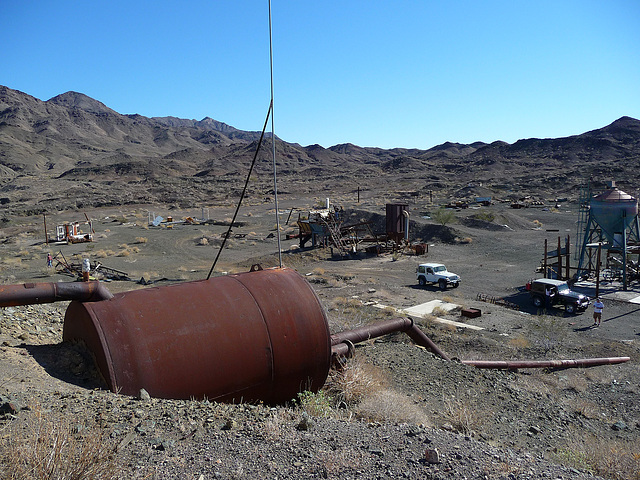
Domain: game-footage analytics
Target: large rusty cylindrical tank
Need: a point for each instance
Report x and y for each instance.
(261, 335)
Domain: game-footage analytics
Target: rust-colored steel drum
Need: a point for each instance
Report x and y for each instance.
(261, 335)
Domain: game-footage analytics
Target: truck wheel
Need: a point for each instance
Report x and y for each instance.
(537, 301)
(570, 308)
(442, 284)
(422, 281)
(456, 285)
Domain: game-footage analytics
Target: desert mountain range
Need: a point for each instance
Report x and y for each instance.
(74, 151)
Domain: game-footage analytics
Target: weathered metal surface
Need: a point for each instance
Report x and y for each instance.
(36, 293)
(261, 335)
(340, 341)
(614, 211)
(513, 364)
(395, 219)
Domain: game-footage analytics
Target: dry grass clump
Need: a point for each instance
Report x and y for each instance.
(44, 447)
(276, 427)
(12, 261)
(347, 303)
(438, 312)
(390, 406)
(520, 342)
(609, 458)
(464, 417)
(364, 389)
(142, 239)
(104, 253)
(585, 408)
(355, 381)
(127, 250)
(575, 380)
(548, 332)
(338, 461)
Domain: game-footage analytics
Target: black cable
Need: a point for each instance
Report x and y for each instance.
(244, 190)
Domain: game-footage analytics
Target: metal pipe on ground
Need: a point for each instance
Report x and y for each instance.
(38, 293)
(362, 334)
(515, 364)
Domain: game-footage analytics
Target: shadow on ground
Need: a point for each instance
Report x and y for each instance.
(69, 362)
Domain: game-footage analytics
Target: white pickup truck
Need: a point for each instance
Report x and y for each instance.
(436, 273)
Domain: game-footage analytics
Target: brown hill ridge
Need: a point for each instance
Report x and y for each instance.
(44, 145)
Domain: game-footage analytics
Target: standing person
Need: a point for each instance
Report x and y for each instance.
(598, 306)
(49, 260)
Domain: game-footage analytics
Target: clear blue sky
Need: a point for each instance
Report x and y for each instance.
(374, 73)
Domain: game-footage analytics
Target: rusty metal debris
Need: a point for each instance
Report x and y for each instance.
(70, 232)
(260, 335)
(515, 364)
(497, 301)
(341, 343)
(327, 227)
(96, 270)
(37, 293)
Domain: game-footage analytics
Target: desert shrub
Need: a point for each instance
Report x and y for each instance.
(141, 239)
(485, 216)
(203, 241)
(537, 224)
(45, 447)
(316, 404)
(443, 216)
(466, 240)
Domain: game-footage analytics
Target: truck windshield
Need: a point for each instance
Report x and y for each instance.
(563, 287)
(441, 268)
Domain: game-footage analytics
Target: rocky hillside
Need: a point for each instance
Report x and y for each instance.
(73, 138)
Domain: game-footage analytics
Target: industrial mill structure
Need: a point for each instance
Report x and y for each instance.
(609, 226)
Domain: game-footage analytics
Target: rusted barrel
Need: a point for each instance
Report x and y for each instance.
(261, 335)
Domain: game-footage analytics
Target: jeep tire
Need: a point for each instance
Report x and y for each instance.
(538, 301)
(422, 281)
(442, 283)
(570, 308)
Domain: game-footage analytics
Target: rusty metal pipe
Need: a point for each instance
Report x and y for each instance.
(421, 339)
(367, 332)
(362, 334)
(37, 293)
(514, 364)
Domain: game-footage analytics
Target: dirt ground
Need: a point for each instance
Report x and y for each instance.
(495, 259)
